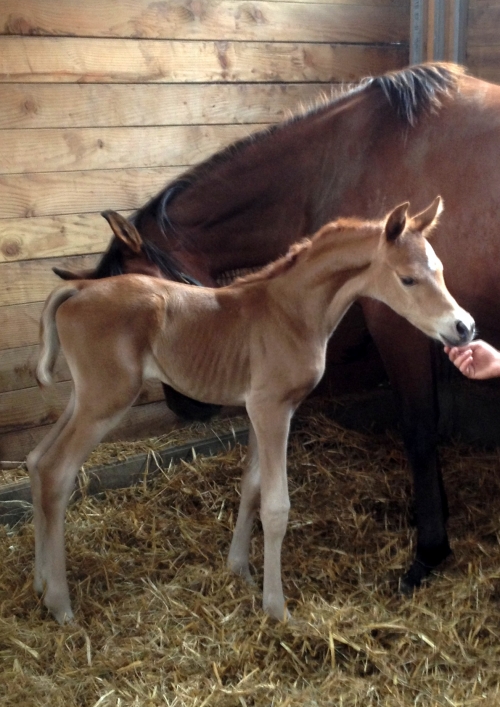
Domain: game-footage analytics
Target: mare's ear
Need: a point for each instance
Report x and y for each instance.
(74, 274)
(396, 222)
(124, 230)
(428, 216)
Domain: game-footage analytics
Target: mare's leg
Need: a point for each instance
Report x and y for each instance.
(249, 504)
(271, 423)
(410, 364)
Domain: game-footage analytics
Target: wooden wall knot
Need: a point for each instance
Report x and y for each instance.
(29, 106)
(11, 247)
(17, 24)
(251, 14)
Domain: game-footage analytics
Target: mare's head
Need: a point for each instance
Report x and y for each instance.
(128, 252)
(407, 275)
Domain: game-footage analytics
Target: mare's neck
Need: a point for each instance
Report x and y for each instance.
(248, 206)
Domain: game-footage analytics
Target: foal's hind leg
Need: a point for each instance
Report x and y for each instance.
(57, 472)
(89, 422)
(250, 498)
(38, 517)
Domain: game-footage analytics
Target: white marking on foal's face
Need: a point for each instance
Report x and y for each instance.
(433, 262)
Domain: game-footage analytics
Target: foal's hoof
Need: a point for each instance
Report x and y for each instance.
(60, 610)
(63, 616)
(279, 613)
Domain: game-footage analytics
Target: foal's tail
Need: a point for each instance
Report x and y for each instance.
(49, 338)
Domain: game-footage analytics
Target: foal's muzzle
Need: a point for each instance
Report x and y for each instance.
(464, 332)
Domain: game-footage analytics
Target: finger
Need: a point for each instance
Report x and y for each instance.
(463, 356)
(459, 355)
(466, 366)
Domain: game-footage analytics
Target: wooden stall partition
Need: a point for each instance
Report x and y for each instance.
(483, 39)
(438, 30)
(463, 31)
(103, 102)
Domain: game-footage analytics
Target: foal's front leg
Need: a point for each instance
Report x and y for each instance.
(271, 423)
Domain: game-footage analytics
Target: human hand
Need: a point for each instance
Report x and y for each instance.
(478, 360)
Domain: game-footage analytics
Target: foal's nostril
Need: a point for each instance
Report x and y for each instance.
(462, 331)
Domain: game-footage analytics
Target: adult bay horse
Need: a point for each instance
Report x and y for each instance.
(407, 135)
(260, 342)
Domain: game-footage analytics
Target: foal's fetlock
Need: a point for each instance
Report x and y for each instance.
(240, 568)
(38, 585)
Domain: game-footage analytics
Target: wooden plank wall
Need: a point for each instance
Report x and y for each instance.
(483, 39)
(104, 101)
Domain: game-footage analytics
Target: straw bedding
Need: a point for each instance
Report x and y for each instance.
(161, 622)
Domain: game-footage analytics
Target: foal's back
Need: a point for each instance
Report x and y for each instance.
(195, 339)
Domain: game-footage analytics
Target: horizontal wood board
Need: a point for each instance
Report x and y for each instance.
(208, 20)
(90, 105)
(41, 59)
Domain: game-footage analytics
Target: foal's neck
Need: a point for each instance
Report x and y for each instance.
(329, 274)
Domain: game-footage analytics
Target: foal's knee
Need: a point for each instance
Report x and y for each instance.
(274, 518)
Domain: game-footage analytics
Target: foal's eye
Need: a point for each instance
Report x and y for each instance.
(408, 281)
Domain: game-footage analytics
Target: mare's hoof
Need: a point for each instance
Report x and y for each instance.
(421, 571)
(418, 573)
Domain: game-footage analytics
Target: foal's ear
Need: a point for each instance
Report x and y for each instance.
(124, 230)
(396, 222)
(428, 216)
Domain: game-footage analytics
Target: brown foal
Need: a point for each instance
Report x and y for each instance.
(260, 342)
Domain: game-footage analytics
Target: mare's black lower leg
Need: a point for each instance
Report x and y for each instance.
(187, 408)
(430, 502)
(410, 363)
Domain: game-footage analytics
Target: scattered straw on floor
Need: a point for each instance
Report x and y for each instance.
(161, 622)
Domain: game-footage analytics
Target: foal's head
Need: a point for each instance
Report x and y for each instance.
(408, 276)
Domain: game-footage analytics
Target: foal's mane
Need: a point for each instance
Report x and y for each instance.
(277, 267)
(298, 251)
(412, 93)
